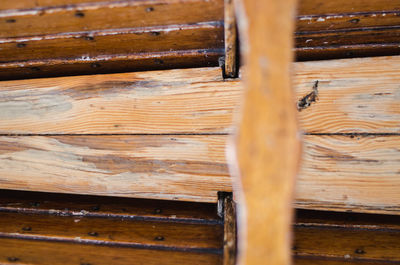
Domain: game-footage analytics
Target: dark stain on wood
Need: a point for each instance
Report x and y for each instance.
(308, 99)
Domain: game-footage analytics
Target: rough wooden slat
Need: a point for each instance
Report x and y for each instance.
(108, 15)
(230, 37)
(188, 168)
(354, 96)
(122, 208)
(350, 172)
(44, 252)
(357, 95)
(87, 45)
(229, 231)
(338, 172)
(112, 230)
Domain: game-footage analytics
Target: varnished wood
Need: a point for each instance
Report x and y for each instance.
(87, 46)
(45, 252)
(104, 64)
(354, 96)
(267, 144)
(96, 206)
(108, 15)
(108, 231)
(345, 238)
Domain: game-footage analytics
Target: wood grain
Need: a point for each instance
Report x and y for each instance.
(105, 64)
(89, 45)
(107, 231)
(230, 238)
(357, 173)
(42, 252)
(267, 148)
(165, 167)
(231, 39)
(363, 173)
(348, 238)
(106, 207)
(108, 15)
(354, 96)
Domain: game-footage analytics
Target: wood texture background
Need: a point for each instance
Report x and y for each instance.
(99, 31)
(104, 230)
(351, 155)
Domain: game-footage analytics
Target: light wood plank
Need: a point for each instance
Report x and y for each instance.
(338, 172)
(354, 96)
(267, 147)
(188, 168)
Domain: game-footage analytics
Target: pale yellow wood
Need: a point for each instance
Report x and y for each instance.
(338, 172)
(350, 172)
(354, 95)
(267, 144)
(190, 168)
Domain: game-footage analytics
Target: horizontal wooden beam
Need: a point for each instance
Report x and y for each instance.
(338, 96)
(337, 173)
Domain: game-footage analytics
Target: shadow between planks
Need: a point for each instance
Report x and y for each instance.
(162, 134)
(43, 228)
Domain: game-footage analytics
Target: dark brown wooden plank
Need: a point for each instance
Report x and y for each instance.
(108, 15)
(80, 205)
(346, 237)
(230, 239)
(103, 64)
(324, 261)
(57, 253)
(101, 230)
(87, 46)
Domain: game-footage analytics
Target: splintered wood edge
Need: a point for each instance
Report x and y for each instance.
(230, 40)
(229, 231)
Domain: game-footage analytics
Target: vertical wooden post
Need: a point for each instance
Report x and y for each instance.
(267, 142)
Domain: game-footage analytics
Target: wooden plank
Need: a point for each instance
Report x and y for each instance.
(103, 64)
(347, 237)
(44, 252)
(230, 240)
(352, 172)
(266, 145)
(325, 261)
(338, 172)
(354, 96)
(190, 168)
(86, 45)
(108, 15)
(231, 39)
(101, 230)
(106, 207)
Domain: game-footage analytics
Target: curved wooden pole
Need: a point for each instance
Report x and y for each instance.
(267, 144)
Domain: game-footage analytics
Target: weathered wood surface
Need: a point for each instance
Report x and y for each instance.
(230, 238)
(44, 228)
(106, 230)
(87, 45)
(166, 167)
(118, 207)
(104, 64)
(343, 238)
(338, 173)
(266, 142)
(353, 96)
(107, 15)
(230, 37)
